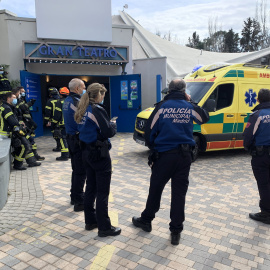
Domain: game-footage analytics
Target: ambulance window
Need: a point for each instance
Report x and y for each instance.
(223, 95)
(197, 90)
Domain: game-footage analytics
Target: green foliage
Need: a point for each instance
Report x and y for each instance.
(15, 83)
(5, 67)
(251, 35)
(231, 41)
(195, 42)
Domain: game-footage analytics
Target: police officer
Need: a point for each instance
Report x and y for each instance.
(49, 113)
(95, 129)
(25, 117)
(10, 126)
(58, 124)
(169, 134)
(257, 142)
(78, 176)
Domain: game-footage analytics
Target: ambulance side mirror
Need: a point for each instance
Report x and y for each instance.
(210, 105)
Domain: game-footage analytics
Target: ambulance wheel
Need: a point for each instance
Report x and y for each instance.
(196, 148)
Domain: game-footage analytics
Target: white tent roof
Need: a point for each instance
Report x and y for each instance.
(180, 59)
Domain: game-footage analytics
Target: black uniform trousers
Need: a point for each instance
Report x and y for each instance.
(174, 166)
(97, 188)
(261, 170)
(78, 171)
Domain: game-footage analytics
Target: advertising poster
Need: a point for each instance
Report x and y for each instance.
(134, 90)
(124, 90)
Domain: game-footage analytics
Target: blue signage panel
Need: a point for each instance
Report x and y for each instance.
(31, 84)
(125, 100)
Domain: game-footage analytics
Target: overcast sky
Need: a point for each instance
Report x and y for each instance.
(180, 17)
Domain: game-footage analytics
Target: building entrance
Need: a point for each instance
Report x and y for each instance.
(123, 97)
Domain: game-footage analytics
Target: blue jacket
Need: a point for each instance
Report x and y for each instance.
(69, 109)
(171, 123)
(257, 131)
(96, 125)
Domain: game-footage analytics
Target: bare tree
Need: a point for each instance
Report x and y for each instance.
(213, 28)
(261, 15)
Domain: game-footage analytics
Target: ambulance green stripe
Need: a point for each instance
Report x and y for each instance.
(228, 127)
(235, 73)
(240, 127)
(241, 73)
(216, 119)
(231, 73)
(197, 128)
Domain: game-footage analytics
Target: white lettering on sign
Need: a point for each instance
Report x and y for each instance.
(179, 115)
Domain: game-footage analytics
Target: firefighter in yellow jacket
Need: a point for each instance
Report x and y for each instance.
(49, 112)
(59, 126)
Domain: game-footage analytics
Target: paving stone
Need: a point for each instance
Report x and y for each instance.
(38, 219)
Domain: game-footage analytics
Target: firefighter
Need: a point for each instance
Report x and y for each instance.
(10, 127)
(25, 117)
(5, 86)
(58, 124)
(49, 111)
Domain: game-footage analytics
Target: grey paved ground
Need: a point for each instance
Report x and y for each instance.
(39, 230)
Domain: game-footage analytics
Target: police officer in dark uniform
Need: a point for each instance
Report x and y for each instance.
(77, 88)
(169, 134)
(58, 124)
(49, 113)
(257, 142)
(95, 130)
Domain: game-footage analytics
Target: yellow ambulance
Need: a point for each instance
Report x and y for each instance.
(229, 93)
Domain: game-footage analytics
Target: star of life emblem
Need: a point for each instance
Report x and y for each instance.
(250, 98)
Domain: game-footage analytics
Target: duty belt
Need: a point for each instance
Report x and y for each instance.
(75, 136)
(180, 148)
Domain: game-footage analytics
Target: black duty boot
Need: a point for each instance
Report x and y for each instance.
(18, 165)
(138, 222)
(175, 238)
(56, 149)
(34, 164)
(31, 161)
(37, 156)
(20, 168)
(78, 207)
(113, 231)
(264, 217)
(64, 156)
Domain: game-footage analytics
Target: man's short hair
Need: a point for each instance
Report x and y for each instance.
(15, 91)
(177, 85)
(6, 96)
(264, 95)
(74, 83)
